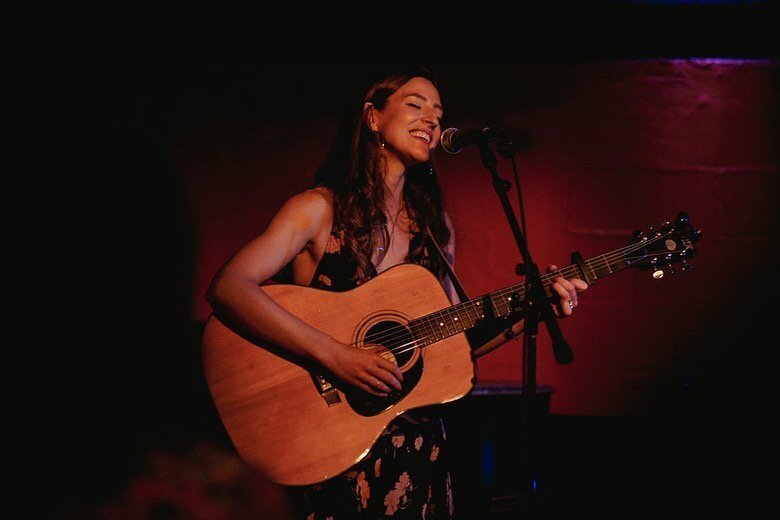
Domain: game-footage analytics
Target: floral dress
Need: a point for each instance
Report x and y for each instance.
(405, 475)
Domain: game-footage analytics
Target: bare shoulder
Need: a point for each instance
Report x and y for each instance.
(318, 193)
(308, 209)
(317, 201)
(302, 220)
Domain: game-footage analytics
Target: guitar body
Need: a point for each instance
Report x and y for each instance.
(275, 413)
(299, 430)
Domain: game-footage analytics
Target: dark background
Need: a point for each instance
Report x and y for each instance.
(131, 179)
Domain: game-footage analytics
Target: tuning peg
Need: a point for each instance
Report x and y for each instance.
(658, 273)
(671, 266)
(653, 233)
(686, 266)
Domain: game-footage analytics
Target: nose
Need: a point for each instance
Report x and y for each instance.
(431, 119)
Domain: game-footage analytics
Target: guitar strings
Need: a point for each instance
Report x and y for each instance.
(399, 331)
(390, 354)
(404, 347)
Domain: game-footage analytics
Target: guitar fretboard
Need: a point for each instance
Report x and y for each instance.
(453, 320)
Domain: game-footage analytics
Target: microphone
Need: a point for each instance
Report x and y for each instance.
(454, 140)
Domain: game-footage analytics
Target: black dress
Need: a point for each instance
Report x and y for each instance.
(405, 475)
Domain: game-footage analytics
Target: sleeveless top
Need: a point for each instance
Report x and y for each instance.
(405, 474)
(337, 267)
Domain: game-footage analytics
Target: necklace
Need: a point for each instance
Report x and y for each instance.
(383, 232)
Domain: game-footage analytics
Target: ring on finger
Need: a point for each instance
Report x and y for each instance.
(571, 304)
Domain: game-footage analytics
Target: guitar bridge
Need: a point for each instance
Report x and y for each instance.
(327, 390)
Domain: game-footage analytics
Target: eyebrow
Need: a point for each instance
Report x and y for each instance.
(435, 105)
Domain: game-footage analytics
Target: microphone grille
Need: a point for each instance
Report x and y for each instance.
(447, 137)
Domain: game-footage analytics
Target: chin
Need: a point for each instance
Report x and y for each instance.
(420, 158)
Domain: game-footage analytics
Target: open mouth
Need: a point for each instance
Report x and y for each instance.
(423, 136)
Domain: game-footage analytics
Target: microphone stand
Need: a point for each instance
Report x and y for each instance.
(536, 307)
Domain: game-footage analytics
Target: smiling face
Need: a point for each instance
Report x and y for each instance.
(408, 123)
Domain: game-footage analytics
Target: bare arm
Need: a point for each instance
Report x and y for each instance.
(236, 298)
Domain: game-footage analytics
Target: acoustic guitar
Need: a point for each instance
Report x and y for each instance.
(298, 428)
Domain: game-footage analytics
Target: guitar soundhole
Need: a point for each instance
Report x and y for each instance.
(394, 342)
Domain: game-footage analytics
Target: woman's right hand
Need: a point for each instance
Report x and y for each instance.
(365, 369)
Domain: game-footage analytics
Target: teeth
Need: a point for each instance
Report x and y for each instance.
(423, 135)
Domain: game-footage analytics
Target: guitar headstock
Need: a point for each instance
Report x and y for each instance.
(664, 248)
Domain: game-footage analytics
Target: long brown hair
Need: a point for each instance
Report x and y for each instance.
(352, 172)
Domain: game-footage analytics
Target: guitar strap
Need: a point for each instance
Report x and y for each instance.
(455, 282)
(477, 335)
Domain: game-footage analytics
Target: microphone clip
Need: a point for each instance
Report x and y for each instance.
(505, 146)
(453, 140)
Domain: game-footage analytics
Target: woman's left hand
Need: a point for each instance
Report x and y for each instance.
(566, 290)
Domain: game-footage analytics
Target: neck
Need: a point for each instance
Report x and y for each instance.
(394, 182)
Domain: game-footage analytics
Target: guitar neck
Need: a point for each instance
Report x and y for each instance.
(456, 319)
